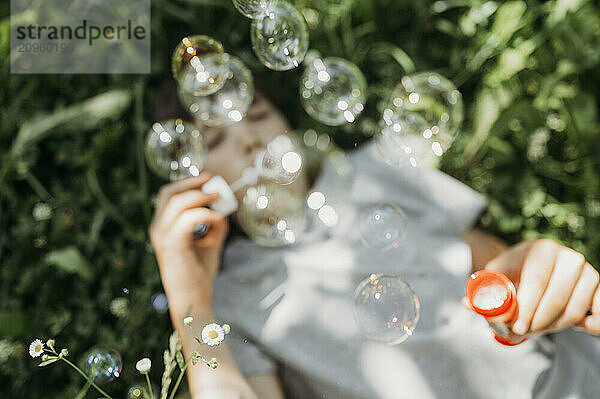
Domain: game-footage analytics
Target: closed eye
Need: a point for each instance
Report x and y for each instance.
(257, 116)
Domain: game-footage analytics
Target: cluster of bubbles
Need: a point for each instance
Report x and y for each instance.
(215, 87)
(104, 365)
(386, 309)
(175, 149)
(420, 120)
(333, 91)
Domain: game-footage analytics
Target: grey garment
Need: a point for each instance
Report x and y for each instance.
(292, 308)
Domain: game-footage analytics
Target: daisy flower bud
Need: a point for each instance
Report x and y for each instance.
(188, 321)
(143, 365)
(45, 357)
(226, 328)
(50, 343)
(64, 353)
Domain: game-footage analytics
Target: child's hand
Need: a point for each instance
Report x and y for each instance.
(556, 287)
(188, 266)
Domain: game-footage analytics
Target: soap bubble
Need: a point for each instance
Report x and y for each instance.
(103, 365)
(159, 302)
(280, 37)
(281, 162)
(204, 75)
(192, 47)
(252, 8)
(424, 114)
(175, 149)
(230, 103)
(272, 215)
(386, 309)
(382, 226)
(333, 91)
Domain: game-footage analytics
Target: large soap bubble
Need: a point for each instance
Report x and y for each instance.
(252, 8)
(386, 309)
(333, 91)
(197, 66)
(272, 215)
(421, 120)
(280, 37)
(230, 103)
(382, 226)
(104, 365)
(281, 162)
(175, 149)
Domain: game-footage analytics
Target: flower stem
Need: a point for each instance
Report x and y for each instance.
(149, 385)
(181, 374)
(88, 379)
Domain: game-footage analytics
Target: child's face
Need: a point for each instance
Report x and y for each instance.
(233, 148)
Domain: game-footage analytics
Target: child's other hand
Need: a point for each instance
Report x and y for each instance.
(188, 266)
(556, 287)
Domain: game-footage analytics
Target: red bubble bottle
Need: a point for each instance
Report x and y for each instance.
(494, 296)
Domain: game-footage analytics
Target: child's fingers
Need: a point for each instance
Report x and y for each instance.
(168, 190)
(183, 228)
(566, 273)
(181, 202)
(465, 302)
(590, 324)
(580, 301)
(535, 275)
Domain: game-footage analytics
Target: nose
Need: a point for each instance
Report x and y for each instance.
(247, 141)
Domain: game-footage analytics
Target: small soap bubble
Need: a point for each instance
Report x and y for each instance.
(192, 47)
(281, 162)
(175, 149)
(272, 215)
(382, 226)
(386, 309)
(159, 302)
(228, 105)
(333, 91)
(104, 365)
(280, 37)
(252, 8)
(421, 120)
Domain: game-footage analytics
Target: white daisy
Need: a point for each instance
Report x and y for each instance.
(143, 365)
(36, 348)
(212, 334)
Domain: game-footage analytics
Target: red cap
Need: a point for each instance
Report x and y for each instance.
(486, 278)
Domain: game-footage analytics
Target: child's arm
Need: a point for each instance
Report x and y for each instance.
(556, 287)
(188, 268)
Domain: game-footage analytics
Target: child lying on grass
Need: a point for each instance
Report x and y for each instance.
(290, 309)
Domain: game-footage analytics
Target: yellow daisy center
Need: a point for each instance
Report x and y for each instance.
(38, 348)
(213, 334)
